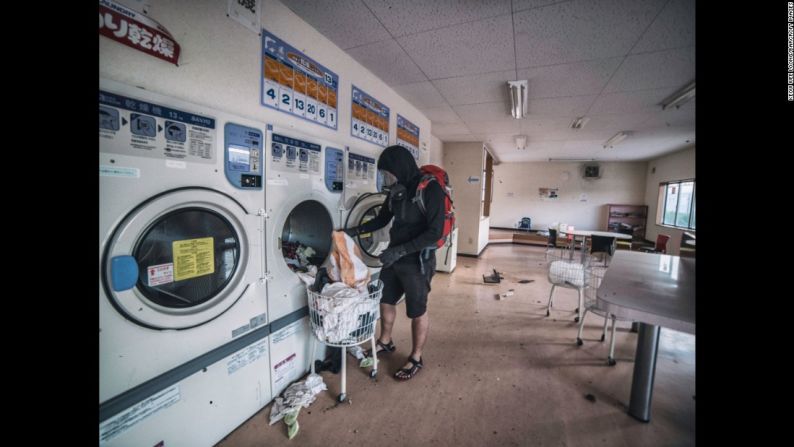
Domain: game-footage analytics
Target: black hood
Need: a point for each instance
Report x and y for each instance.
(399, 161)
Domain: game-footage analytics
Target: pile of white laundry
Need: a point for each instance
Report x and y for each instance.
(343, 310)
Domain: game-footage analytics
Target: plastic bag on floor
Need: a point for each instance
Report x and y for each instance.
(345, 262)
(299, 394)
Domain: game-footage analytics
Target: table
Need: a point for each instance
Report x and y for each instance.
(656, 290)
(587, 233)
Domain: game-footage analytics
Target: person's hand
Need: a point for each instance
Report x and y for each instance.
(391, 255)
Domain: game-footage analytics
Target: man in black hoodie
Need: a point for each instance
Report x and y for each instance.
(410, 260)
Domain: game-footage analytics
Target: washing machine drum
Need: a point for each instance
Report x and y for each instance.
(178, 260)
(309, 224)
(371, 244)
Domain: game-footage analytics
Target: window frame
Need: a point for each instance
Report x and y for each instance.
(663, 187)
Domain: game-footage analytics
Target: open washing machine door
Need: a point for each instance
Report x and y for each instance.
(363, 208)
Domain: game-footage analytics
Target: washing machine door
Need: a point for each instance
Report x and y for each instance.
(365, 208)
(181, 258)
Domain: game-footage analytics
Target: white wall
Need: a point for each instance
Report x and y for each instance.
(220, 67)
(436, 151)
(461, 161)
(516, 193)
(676, 166)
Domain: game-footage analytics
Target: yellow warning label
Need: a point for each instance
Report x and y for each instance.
(193, 257)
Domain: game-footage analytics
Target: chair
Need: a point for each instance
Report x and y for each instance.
(593, 277)
(604, 245)
(661, 244)
(551, 244)
(570, 275)
(525, 224)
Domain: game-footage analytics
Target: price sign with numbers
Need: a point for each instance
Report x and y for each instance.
(296, 84)
(408, 136)
(369, 118)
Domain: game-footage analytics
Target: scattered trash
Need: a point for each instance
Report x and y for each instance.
(590, 397)
(496, 278)
(526, 281)
(297, 395)
(502, 296)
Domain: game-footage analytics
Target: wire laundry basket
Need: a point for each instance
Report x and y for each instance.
(345, 321)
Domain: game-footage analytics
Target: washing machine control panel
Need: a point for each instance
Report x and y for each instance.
(289, 154)
(360, 168)
(243, 155)
(334, 169)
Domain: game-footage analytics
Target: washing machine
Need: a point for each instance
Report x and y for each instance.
(304, 192)
(198, 410)
(362, 202)
(181, 235)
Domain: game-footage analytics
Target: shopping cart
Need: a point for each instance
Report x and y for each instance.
(343, 322)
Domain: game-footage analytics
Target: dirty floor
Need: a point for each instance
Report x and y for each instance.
(499, 373)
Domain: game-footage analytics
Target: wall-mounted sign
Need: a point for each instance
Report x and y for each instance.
(408, 136)
(472, 179)
(294, 83)
(247, 13)
(369, 118)
(136, 30)
(548, 193)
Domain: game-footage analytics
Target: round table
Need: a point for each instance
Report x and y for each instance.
(588, 233)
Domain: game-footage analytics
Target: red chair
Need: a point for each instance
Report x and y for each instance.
(661, 244)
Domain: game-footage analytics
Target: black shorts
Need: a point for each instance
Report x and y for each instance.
(405, 276)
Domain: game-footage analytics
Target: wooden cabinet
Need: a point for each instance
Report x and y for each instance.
(627, 219)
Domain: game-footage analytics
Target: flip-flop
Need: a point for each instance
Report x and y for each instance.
(409, 373)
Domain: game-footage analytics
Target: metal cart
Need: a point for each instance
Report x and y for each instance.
(346, 329)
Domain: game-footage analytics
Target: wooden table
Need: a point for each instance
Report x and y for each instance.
(656, 290)
(588, 233)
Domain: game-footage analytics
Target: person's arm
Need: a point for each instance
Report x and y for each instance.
(381, 220)
(434, 218)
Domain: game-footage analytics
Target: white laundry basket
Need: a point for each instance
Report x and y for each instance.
(345, 321)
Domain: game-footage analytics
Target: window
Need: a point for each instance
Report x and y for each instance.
(677, 204)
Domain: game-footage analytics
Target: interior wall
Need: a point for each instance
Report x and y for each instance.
(436, 151)
(676, 166)
(220, 67)
(580, 202)
(464, 163)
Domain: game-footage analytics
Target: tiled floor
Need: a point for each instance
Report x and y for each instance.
(501, 373)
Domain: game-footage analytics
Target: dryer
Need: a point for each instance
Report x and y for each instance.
(362, 201)
(181, 233)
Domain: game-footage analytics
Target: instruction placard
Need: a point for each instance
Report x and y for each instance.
(294, 155)
(160, 274)
(360, 167)
(246, 356)
(193, 257)
(130, 126)
(408, 136)
(369, 118)
(296, 84)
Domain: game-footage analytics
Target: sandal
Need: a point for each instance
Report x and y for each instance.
(409, 373)
(381, 347)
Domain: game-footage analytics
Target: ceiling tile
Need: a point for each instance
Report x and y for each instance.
(403, 17)
(388, 61)
(630, 102)
(466, 49)
(581, 30)
(459, 138)
(490, 111)
(669, 68)
(673, 28)
(520, 5)
(579, 78)
(450, 129)
(423, 95)
(442, 115)
(346, 23)
(488, 87)
(570, 106)
(495, 127)
(682, 117)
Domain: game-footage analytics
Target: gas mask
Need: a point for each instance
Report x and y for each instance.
(386, 180)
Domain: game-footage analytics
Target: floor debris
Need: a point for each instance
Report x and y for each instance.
(590, 397)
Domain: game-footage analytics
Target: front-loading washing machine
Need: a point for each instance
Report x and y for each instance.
(362, 201)
(181, 236)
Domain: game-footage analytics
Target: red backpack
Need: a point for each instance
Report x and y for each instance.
(432, 173)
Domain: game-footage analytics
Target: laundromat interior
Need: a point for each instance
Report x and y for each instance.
(239, 138)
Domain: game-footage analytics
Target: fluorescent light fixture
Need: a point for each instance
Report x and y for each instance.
(521, 142)
(679, 97)
(620, 136)
(578, 123)
(518, 98)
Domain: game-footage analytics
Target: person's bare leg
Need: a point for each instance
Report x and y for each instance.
(388, 313)
(420, 326)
